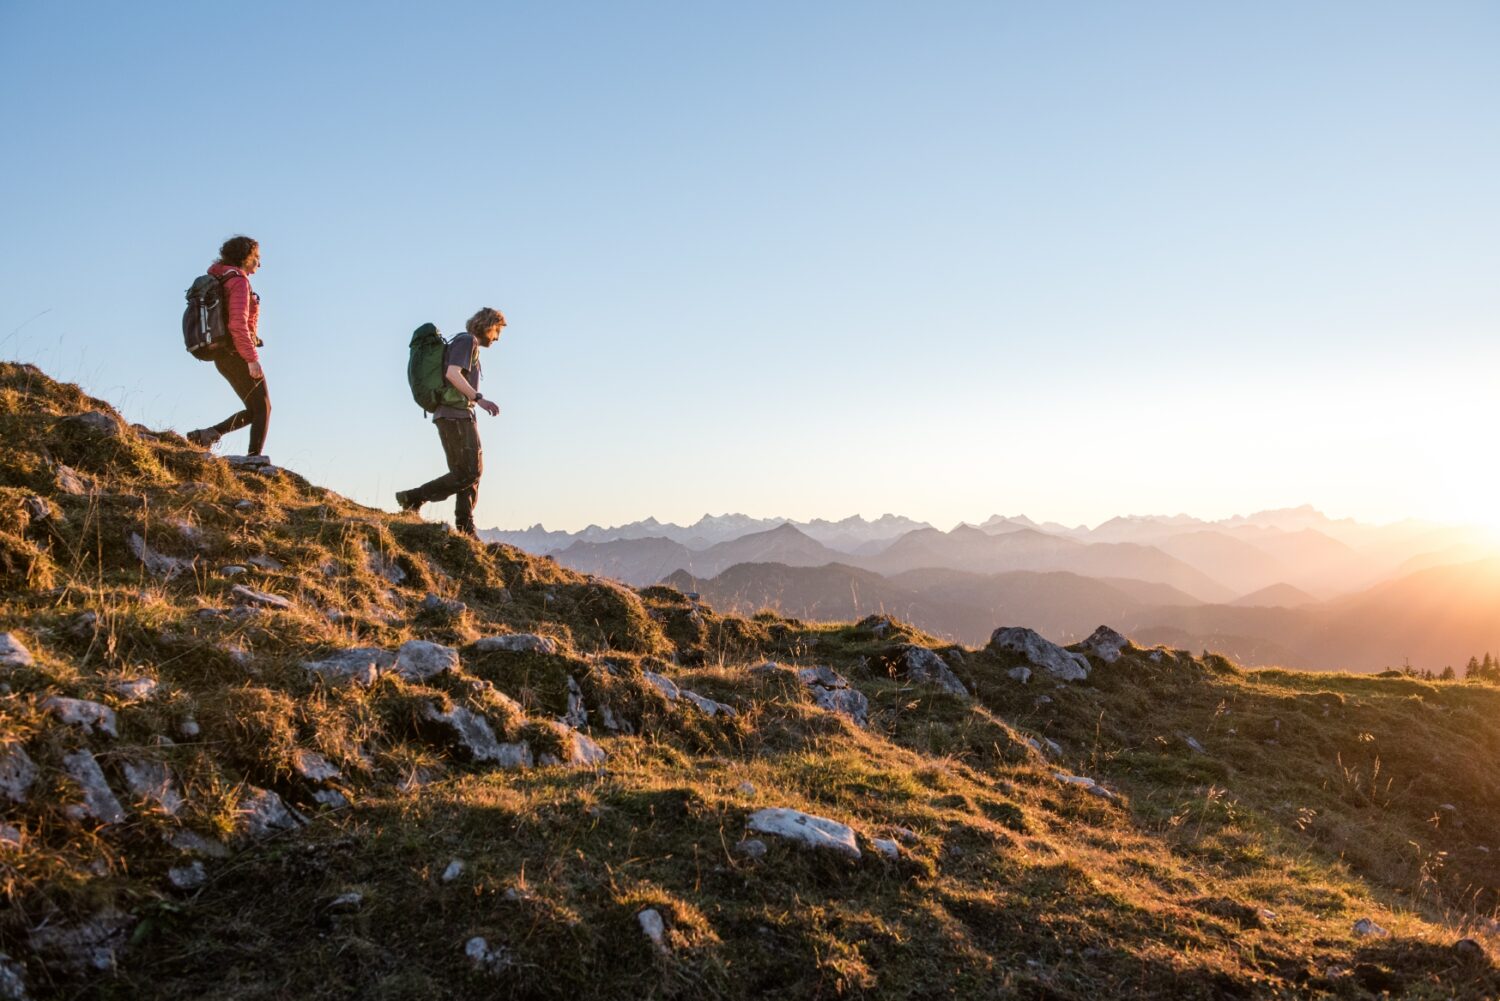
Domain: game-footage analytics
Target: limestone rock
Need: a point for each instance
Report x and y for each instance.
(446, 608)
(418, 660)
(1042, 653)
(151, 782)
(877, 625)
(193, 843)
(472, 735)
(12, 980)
(262, 813)
(17, 772)
(921, 666)
(69, 482)
(822, 675)
(355, 665)
(517, 643)
(487, 958)
(887, 848)
(157, 564)
(663, 684)
(92, 717)
(1104, 643)
(232, 570)
(1087, 784)
(84, 626)
(654, 928)
(91, 946)
(848, 702)
(94, 422)
(260, 599)
(99, 800)
(708, 706)
(577, 715)
(1367, 928)
(189, 728)
(751, 848)
(188, 877)
(331, 798)
(454, 870)
(312, 766)
(586, 752)
(13, 652)
(382, 565)
(264, 562)
(133, 689)
(1019, 674)
(350, 901)
(816, 832)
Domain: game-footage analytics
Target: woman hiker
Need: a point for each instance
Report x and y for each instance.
(239, 362)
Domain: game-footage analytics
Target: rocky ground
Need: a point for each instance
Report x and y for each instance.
(257, 741)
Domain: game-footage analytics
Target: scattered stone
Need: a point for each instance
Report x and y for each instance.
(448, 608)
(69, 482)
(13, 652)
(577, 715)
(848, 702)
(1087, 784)
(1042, 653)
(250, 596)
(90, 947)
(921, 666)
(98, 799)
(133, 689)
(264, 562)
(1020, 674)
(38, 509)
(878, 625)
(586, 752)
(905, 834)
(84, 625)
(11, 837)
(1104, 643)
(262, 813)
(382, 566)
(91, 716)
(487, 959)
(472, 733)
(654, 928)
(1045, 746)
(349, 901)
(663, 684)
(454, 870)
(1470, 951)
(95, 422)
(189, 728)
(816, 832)
(612, 722)
(193, 843)
(822, 675)
(1191, 743)
(331, 798)
(889, 849)
(312, 766)
(156, 564)
(751, 848)
(419, 660)
(1042, 700)
(708, 706)
(355, 665)
(188, 877)
(747, 788)
(12, 980)
(245, 505)
(1367, 928)
(151, 782)
(232, 570)
(517, 643)
(17, 772)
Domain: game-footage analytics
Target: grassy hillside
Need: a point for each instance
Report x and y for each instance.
(1242, 825)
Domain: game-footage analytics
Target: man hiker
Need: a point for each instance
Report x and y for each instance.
(457, 428)
(238, 361)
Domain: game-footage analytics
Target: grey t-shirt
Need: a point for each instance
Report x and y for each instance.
(463, 351)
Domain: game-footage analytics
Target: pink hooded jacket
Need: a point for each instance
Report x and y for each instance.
(242, 310)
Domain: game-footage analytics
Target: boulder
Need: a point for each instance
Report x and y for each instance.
(586, 752)
(921, 666)
(151, 782)
(156, 564)
(94, 422)
(355, 665)
(12, 980)
(383, 566)
(807, 829)
(848, 702)
(1103, 643)
(419, 660)
(13, 652)
(260, 599)
(516, 643)
(262, 813)
(264, 562)
(822, 675)
(92, 717)
(1042, 653)
(876, 625)
(472, 734)
(17, 772)
(663, 684)
(99, 800)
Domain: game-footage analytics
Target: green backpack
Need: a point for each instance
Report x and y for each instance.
(424, 371)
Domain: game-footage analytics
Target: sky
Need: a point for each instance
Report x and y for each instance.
(806, 260)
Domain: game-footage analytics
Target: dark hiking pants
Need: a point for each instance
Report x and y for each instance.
(252, 393)
(460, 440)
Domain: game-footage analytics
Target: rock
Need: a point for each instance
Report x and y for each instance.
(156, 564)
(38, 509)
(188, 877)
(193, 843)
(654, 928)
(99, 800)
(816, 832)
(708, 706)
(746, 788)
(84, 626)
(331, 798)
(586, 752)
(822, 675)
(921, 666)
(1367, 928)
(577, 715)
(418, 660)
(69, 482)
(485, 958)
(91, 716)
(189, 728)
(11, 837)
(905, 834)
(17, 772)
(1191, 743)
(264, 562)
(1104, 643)
(878, 625)
(382, 566)
(312, 766)
(13, 652)
(1087, 784)
(262, 813)
(94, 422)
(232, 570)
(751, 848)
(260, 599)
(1020, 674)
(447, 608)
(848, 702)
(12, 980)
(90, 947)
(133, 689)
(151, 782)
(1042, 700)
(245, 505)
(1470, 951)
(663, 684)
(472, 734)
(1042, 653)
(355, 665)
(454, 870)
(612, 722)
(1044, 746)
(887, 848)
(350, 901)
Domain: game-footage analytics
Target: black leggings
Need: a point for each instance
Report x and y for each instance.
(252, 393)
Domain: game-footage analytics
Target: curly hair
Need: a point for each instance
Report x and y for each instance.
(236, 251)
(486, 324)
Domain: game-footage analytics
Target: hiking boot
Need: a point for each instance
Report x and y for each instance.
(203, 437)
(467, 529)
(406, 502)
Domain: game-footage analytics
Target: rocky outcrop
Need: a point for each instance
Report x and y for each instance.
(471, 734)
(1041, 653)
(1103, 643)
(921, 666)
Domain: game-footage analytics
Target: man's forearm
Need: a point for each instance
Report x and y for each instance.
(456, 379)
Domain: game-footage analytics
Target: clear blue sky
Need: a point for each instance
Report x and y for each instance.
(807, 259)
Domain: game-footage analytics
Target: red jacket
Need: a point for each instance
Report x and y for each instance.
(242, 310)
